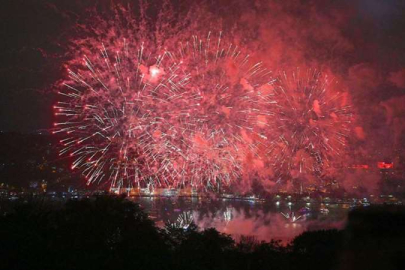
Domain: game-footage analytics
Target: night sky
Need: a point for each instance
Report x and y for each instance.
(361, 42)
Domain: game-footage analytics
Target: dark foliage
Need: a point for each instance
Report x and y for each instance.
(317, 250)
(113, 233)
(101, 233)
(375, 239)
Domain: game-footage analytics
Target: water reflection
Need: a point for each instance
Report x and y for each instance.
(265, 220)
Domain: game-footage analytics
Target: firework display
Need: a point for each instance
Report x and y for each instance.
(181, 117)
(119, 117)
(311, 126)
(224, 113)
(195, 112)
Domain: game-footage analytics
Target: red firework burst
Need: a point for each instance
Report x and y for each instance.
(120, 115)
(221, 132)
(311, 126)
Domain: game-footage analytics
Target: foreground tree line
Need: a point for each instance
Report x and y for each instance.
(113, 233)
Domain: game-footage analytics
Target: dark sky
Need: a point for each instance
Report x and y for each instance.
(361, 41)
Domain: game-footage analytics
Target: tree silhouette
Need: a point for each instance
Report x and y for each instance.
(111, 232)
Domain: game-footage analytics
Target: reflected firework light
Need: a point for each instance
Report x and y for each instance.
(291, 216)
(312, 125)
(184, 220)
(228, 215)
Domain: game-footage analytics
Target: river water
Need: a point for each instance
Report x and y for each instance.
(264, 220)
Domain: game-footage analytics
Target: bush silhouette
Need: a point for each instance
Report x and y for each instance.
(110, 232)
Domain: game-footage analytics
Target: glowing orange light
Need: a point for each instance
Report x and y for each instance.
(385, 165)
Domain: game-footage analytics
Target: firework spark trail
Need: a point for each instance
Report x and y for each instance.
(181, 110)
(193, 116)
(172, 119)
(312, 124)
(223, 90)
(177, 110)
(119, 117)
